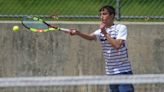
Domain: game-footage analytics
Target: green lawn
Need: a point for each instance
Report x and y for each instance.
(46, 7)
(80, 7)
(139, 8)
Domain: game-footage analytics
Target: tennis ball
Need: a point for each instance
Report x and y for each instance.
(15, 28)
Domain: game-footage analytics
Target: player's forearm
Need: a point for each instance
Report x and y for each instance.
(85, 36)
(115, 43)
(112, 41)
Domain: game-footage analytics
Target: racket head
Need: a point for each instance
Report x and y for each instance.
(36, 24)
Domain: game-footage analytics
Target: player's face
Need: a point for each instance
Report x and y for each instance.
(105, 17)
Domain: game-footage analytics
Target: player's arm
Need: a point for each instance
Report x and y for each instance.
(116, 43)
(83, 35)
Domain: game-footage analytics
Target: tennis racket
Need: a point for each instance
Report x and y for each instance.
(35, 24)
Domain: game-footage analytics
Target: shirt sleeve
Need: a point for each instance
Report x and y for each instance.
(96, 33)
(122, 32)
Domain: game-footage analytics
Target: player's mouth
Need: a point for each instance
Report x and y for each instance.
(103, 21)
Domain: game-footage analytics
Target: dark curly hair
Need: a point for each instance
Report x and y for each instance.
(110, 9)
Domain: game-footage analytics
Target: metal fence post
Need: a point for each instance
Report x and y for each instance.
(118, 10)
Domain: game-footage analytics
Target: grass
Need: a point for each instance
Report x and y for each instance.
(142, 8)
(80, 7)
(47, 7)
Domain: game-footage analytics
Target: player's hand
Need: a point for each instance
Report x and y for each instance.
(102, 26)
(73, 32)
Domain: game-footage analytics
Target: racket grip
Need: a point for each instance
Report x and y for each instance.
(64, 29)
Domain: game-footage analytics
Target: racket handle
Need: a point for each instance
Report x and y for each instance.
(66, 30)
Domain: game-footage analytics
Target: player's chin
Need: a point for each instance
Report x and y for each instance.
(103, 21)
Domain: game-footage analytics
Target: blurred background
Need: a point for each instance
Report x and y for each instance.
(132, 10)
(27, 54)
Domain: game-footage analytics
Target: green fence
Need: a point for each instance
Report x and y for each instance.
(126, 9)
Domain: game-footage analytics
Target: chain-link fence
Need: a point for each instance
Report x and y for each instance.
(82, 9)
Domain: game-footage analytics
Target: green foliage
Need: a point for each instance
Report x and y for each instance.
(142, 7)
(48, 7)
(80, 7)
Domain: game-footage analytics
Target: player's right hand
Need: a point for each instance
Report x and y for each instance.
(73, 32)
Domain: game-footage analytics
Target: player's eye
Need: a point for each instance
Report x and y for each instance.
(103, 14)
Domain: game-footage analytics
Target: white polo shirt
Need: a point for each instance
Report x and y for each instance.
(116, 60)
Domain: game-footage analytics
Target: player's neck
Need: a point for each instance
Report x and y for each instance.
(110, 24)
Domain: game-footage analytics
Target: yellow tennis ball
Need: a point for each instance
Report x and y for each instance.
(15, 28)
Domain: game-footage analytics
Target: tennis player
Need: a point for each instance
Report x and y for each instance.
(113, 40)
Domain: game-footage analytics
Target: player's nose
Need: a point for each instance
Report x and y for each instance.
(101, 17)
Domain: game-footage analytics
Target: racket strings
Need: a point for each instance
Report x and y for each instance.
(32, 23)
(35, 24)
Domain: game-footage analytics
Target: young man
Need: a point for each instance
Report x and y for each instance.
(113, 39)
